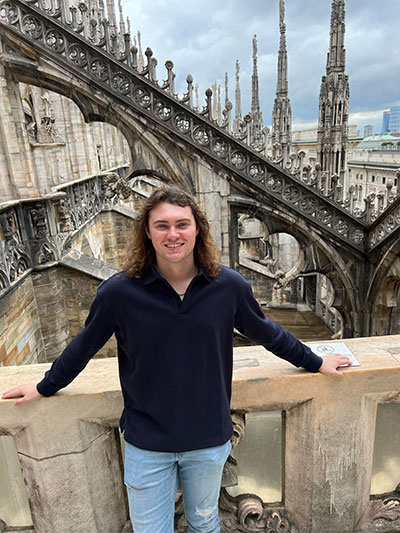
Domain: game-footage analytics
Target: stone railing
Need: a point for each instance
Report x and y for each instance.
(330, 317)
(37, 231)
(70, 451)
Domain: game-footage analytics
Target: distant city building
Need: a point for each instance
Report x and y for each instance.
(373, 166)
(394, 118)
(385, 121)
(391, 119)
(368, 130)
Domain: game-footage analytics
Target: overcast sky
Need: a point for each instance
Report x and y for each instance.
(205, 37)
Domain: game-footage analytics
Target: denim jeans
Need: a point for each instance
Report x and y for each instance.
(152, 482)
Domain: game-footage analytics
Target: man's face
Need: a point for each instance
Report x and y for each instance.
(172, 231)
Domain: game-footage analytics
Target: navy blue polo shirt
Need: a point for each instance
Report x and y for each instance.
(175, 357)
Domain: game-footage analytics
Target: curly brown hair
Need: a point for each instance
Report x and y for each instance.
(141, 255)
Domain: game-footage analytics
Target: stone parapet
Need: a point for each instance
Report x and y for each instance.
(69, 448)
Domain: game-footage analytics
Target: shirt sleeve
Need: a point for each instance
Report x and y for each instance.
(99, 327)
(251, 321)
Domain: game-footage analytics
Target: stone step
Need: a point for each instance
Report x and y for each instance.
(304, 325)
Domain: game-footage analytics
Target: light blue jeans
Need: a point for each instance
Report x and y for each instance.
(152, 482)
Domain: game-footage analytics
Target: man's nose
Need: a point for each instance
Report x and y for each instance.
(173, 233)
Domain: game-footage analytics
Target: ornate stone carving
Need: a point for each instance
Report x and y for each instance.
(162, 110)
(308, 205)
(182, 123)
(55, 41)
(99, 69)
(39, 221)
(142, 97)
(32, 26)
(382, 514)
(121, 83)
(8, 13)
(220, 148)
(238, 160)
(257, 172)
(14, 258)
(292, 194)
(201, 135)
(247, 513)
(116, 186)
(67, 224)
(78, 55)
(46, 254)
(389, 509)
(274, 182)
(239, 425)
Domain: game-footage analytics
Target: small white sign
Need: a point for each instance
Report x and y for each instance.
(322, 349)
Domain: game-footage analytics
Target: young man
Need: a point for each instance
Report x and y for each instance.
(173, 310)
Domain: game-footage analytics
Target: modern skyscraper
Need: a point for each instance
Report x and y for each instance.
(385, 121)
(394, 119)
(368, 130)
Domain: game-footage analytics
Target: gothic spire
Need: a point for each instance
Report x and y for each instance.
(255, 100)
(281, 137)
(226, 90)
(282, 82)
(336, 61)
(256, 115)
(140, 52)
(121, 18)
(332, 136)
(238, 102)
(111, 13)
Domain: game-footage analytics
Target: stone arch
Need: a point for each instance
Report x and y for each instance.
(382, 315)
(95, 106)
(320, 256)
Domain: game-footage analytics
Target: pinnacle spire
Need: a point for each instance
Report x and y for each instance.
(121, 18)
(255, 100)
(282, 112)
(238, 102)
(140, 52)
(282, 81)
(332, 136)
(336, 60)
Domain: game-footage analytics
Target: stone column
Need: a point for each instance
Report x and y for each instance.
(72, 466)
(212, 192)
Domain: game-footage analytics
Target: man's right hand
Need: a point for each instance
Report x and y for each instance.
(25, 393)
